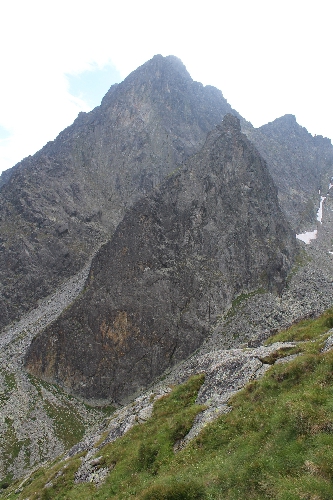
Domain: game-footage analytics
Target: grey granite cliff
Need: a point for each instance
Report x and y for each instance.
(214, 229)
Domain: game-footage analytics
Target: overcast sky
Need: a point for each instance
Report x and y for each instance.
(60, 57)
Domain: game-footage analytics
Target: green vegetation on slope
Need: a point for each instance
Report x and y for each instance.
(277, 442)
(62, 419)
(239, 300)
(69, 426)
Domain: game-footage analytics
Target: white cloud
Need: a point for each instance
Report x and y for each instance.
(268, 58)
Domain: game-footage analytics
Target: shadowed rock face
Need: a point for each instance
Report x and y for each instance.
(56, 205)
(211, 231)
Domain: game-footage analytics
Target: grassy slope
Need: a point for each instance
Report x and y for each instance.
(277, 442)
(69, 419)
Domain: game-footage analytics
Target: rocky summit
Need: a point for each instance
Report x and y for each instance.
(179, 257)
(57, 205)
(301, 166)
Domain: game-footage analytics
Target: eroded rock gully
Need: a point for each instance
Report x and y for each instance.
(29, 410)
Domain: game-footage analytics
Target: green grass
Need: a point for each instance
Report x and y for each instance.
(280, 353)
(106, 410)
(306, 330)
(137, 457)
(10, 381)
(10, 385)
(239, 300)
(275, 443)
(68, 424)
(10, 449)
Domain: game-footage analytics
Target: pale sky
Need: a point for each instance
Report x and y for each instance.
(60, 57)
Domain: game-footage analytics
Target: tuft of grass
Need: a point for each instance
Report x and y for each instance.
(280, 353)
(107, 410)
(5, 482)
(239, 300)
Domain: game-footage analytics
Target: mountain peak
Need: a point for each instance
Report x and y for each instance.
(159, 72)
(171, 59)
(160, 68)
(230, 123)
(286, 124)
(288, 118)
(146, 127)
(168, 62)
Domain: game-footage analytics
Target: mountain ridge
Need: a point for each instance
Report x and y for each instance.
(300, 164)
(73, 193)
(57, 209)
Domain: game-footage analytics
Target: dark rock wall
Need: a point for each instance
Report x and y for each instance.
(176, 261)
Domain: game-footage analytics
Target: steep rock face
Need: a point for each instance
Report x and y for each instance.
(175, 262)
(299, 163)
(58, 204)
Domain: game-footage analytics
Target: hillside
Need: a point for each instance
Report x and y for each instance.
(251, 319)
(38, 421)
(58, 205)
(273, 439)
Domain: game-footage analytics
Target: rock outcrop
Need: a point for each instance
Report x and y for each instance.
(37, 420)
(300, 164)
(213, 230)
(226, 373)
(57, 205)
